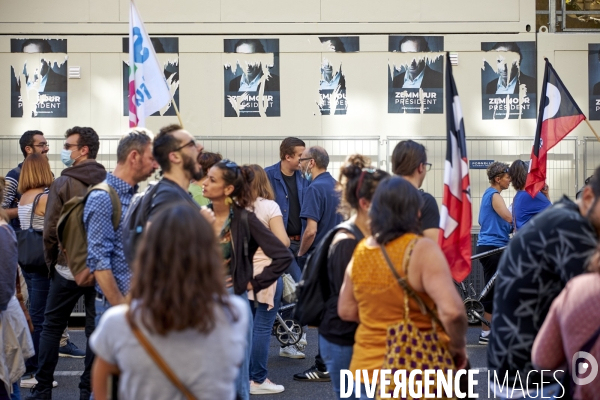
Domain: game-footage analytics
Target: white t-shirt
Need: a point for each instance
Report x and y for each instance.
(207, 364)
(264, 210)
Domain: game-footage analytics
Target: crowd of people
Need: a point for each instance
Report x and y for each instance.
(201, 276)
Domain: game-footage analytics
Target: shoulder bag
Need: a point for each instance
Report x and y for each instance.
(408, 347)
(31, 245)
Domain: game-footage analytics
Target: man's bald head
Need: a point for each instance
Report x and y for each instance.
(320, 156)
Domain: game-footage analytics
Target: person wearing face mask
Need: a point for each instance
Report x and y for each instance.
(321, 200)
(80, 149)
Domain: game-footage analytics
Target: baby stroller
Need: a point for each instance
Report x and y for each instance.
(286, 329)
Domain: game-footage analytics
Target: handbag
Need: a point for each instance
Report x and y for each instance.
(158, 360)
(407, 347)
(30, 243)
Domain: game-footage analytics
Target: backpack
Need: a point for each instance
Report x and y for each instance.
(313, 289)
(136, 219)
(72, 236)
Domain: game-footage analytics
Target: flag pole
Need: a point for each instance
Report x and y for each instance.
(179, 115)
(590, 125)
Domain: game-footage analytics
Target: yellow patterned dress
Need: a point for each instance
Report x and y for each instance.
(381, 302)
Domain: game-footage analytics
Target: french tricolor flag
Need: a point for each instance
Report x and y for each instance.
(558, 115)
(456, 215)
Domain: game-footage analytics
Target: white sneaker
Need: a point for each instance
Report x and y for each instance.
(31, 382)
(267, 387)
(290, 352)
(302, 341)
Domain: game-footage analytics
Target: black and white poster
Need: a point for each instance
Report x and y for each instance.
(332, 86)
(38, 78)
(251, 78)
(167, 52)
(415, 74)
(508, 80)
(594, 80)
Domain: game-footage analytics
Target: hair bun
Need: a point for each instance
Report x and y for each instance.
(354, 165)
(247, 173)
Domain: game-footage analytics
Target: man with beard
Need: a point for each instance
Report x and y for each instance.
(31, 142)
(177, 154)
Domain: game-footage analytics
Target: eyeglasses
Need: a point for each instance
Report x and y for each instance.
(505, 171)
(67, 146)
(190, 143)
(305, 159)
(427, 166)
(42, 145)
(362, 177)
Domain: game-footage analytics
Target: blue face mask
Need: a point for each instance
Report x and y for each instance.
(308, 176)
(65, 156)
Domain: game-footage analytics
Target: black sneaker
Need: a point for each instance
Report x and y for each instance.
(484, 339)
(313, 375)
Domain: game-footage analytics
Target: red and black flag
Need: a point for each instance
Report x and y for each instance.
(558, 115)
(456, 217)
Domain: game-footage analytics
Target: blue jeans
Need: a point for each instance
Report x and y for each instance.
(261, 335)
(242, 382)
(101, 307)
(16, 395)
(336, 358)
(37, 287)
(294, 268)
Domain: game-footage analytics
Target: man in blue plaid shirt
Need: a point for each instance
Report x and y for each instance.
(106, 258)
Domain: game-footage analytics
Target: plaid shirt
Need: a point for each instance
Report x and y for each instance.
(105, 245)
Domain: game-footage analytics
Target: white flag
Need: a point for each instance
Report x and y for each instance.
(148, 89)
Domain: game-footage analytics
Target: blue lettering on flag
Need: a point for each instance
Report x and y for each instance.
(139, 96)
(140, 53)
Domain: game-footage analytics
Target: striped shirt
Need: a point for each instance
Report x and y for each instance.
(11, 195)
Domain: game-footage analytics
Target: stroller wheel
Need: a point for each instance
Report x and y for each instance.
(288, 332)
(470, 306)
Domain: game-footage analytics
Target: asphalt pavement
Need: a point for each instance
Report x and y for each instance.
(281, 371)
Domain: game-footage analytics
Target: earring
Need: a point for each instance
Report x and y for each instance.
(228, 201)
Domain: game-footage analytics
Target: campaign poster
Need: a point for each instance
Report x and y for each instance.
(38, 78)
(415, 75)
(594, 80)
(251, 78)
(332, 86)
(167, 52)
(508, 80)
